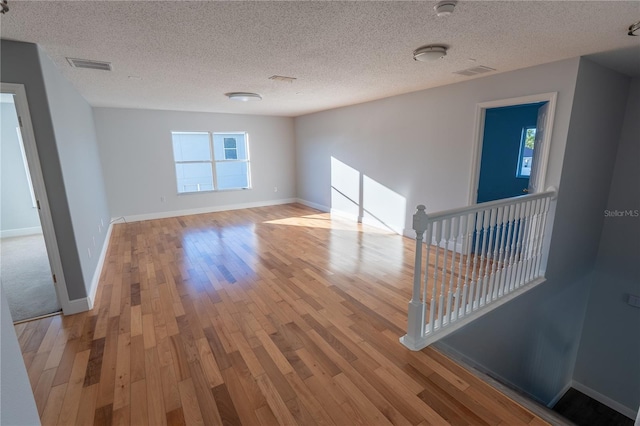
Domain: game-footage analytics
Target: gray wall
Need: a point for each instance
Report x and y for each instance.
(532, 342)
(20, 63)
(609, 356)
(16, 207)
(75, 138)
(16, 397)
(137, 159)
(417, 147)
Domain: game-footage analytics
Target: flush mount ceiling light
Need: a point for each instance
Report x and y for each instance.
(445, 7)
(429, 53)
(633, 28)
(243, 96)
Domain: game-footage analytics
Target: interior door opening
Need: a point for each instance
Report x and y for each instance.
(26, 271)
(511, 149)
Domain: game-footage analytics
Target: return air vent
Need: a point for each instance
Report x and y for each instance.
(282, 78)
(89, 64)
(474, 71)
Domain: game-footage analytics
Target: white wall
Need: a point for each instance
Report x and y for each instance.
(419, 145)
(608, 360)
(17, 210)
(17, 406)
(137, 160)
(75, 137)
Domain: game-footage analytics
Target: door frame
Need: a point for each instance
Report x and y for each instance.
(476, 158)
(39, 189)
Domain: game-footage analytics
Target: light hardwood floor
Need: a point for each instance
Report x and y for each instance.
(273, 315)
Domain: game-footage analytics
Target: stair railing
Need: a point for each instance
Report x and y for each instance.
(473, 259)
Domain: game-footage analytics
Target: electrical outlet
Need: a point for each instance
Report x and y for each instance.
(102, 222)
(94, 241)
(162, 199)
(89, 252)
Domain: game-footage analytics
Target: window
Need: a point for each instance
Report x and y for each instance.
(525, 159)
(207, 161)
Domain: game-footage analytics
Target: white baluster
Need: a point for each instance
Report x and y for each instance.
(476, 279)
(455, 224)
(507, 251)
(462, 227)
(438, 235)
(512, 249)
(504, 248)
(443, 294)
(495, 260)
(533, 240)
(432, 305)
(487, 266)
(467, 250)
(522, 242)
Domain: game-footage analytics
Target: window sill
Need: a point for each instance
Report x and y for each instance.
(214, 191)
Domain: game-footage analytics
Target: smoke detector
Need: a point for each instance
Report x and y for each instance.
(445, 7)
(430, 53)
(243, 96)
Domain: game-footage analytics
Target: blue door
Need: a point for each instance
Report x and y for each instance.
(507, 151)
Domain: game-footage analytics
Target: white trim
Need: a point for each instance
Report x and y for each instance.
(98, 272)
(476, 157)
(614, 405)
(210, 209)
(77, 305)
(314, 205)
(37, 179)
(20, 232)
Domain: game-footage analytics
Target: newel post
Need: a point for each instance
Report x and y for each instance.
(416, 311)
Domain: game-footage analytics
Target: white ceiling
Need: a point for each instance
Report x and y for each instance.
(186, 55)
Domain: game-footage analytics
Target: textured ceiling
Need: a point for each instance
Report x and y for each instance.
(184, 55)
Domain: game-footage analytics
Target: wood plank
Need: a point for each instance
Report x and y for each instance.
(257, 316)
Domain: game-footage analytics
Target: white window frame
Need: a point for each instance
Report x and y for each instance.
(213, 161)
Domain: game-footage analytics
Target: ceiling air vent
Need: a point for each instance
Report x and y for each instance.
(474, 71)
(89, 64)
(282, 78)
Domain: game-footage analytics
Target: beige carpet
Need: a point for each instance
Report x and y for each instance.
(26, 277)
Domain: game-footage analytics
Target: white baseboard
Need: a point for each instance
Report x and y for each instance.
(614, 405)
(210, 209)
(98, 272)
(313, 205)
(20, 232)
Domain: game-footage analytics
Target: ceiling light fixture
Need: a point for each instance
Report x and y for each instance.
(633, 28)
(430, 53)
(243, 96)
(445, 7)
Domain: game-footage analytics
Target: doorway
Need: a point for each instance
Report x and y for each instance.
(30, 273)
(511, 149)
(508, 146)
